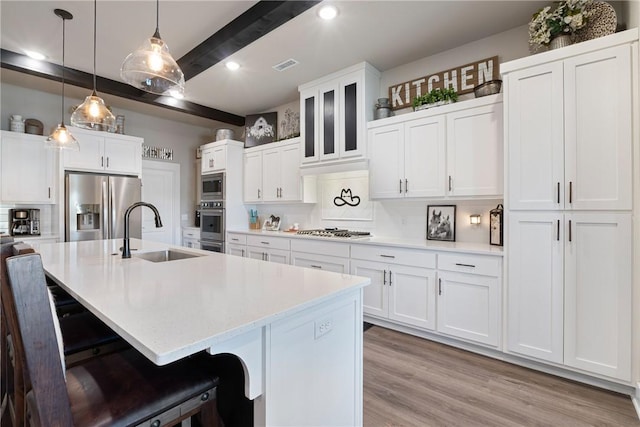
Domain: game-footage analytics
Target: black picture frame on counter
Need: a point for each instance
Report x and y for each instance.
(496, 226)
(441, 223)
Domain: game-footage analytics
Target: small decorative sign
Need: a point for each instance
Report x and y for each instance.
(346, 198)
(261, 129)
(463, 79)
(157, 152)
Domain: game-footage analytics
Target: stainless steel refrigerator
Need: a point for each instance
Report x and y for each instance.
(95, 205)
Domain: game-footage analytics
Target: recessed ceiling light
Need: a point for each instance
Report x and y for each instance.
(232, 65)
(328, 12)
(35, 55)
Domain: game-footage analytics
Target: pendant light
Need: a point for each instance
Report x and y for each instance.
(152, 68)
(93, 113)
(61, 138)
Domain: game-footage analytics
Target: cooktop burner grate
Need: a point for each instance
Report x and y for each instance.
(334, 232)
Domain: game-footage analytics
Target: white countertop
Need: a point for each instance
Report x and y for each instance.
(169, 310)
(472, 248)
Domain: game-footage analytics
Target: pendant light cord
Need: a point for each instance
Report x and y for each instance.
(95, 20)
(157, 16)
(62, 109)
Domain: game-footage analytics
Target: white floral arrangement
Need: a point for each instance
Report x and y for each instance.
(568, 17)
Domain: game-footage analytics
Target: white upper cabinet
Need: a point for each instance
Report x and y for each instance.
(272, 173)
(570, 146)
(28, 169)
(218, 154)
(474, 151)
(454, 150)
(334, 111)
(104, 152)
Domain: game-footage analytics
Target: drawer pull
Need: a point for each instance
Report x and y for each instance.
(465, 265)
(265, 243)
(316, 266)
(387, 256)
(234, 239)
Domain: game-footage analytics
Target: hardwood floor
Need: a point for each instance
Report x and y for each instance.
(409, 381)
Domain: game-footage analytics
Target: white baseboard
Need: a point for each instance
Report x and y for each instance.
(636, 400)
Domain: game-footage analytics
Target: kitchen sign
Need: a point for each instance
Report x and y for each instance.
(463, 79)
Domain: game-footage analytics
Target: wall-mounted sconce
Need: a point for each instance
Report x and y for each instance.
(475, 219)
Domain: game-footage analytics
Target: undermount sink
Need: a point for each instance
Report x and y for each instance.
(166, 255)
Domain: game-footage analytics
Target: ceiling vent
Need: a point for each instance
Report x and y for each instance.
(285, 64)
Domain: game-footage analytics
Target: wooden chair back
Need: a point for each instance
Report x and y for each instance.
(12, 388)
(30, 323)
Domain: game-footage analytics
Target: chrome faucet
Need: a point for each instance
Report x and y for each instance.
(126, 248)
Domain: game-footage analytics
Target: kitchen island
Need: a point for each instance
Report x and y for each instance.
(297, 332)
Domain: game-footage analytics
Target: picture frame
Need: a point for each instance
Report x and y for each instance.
(271, 223)
(261, 129)
(441, 223)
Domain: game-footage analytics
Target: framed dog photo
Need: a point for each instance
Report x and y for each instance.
(441, 222)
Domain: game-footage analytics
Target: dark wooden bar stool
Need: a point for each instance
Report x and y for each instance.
(123, 388)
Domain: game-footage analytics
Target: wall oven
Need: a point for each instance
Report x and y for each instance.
(212, 186)
(212, 228)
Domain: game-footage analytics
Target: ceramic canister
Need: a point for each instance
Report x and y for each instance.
(16, 123)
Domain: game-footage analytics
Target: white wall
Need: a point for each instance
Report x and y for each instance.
(183, 138)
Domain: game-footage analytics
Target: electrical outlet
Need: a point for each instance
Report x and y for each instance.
(323, 327)
(184, 217)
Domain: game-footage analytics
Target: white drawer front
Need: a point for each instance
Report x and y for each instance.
(193, 234)
(475, 264)
(416, 258)
(322, 248)
(238, 239)
(268, 242)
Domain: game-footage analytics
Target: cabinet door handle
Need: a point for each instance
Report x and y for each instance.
(558, 193)
(258, 193)
(569, 230)
(315, 266)
(406, 185)
(242, 251)
(465, 265)
(558, 231)
(450, 183)
(570, 192)
(384, 277)
(439, 286)
(400, 181)
(390, 282)
(264, 256)
(107, 162)
(49, 191)
(101, 161)
(387, 256)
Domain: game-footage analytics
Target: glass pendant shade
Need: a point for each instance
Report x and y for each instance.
(152, 68)
(93, 114)
(61, 138)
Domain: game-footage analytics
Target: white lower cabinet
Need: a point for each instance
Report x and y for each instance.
(191, 237)
(236, 244)
(268, 248)
(469, 307)
(403, 293)
(570, 289)
(328, 256)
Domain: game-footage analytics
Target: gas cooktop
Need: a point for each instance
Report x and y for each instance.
(335, 232)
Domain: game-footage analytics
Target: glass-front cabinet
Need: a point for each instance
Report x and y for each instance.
(334, 111)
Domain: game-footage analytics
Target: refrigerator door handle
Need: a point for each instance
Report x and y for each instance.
(105, 210)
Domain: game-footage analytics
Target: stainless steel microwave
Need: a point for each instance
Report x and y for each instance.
(213, 186)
